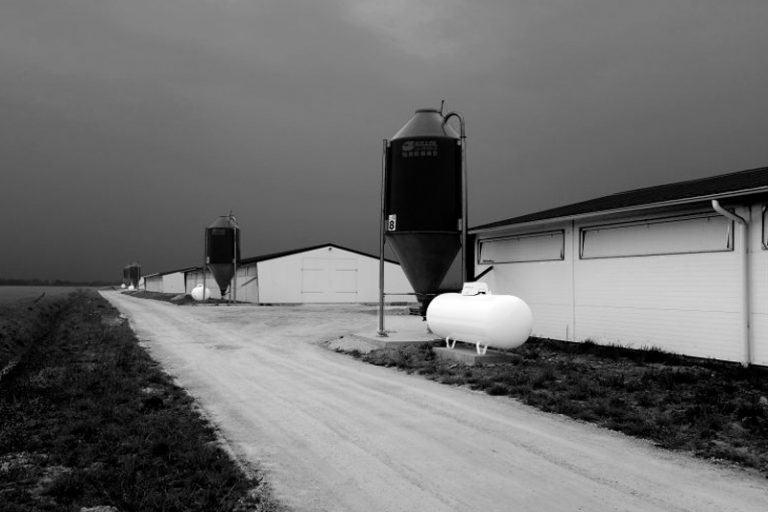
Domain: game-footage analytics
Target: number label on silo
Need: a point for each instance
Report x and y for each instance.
(392, 222)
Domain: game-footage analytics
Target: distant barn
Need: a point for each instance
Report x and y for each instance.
(322, 273)
(171, 281)
(655, 267)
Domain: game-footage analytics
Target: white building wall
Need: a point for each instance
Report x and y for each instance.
(248, 283)
(687, 304)
(280, 280)
(328, 274)
(758, 285)
(173, 283)
(153, 283)
(684, 303)
(546, 286)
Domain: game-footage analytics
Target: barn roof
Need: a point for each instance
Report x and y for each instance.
(725, 185)
(271, 256)
(166, 272)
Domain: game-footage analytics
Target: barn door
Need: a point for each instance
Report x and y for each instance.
(329, 279)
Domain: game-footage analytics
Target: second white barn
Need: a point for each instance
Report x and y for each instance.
(172, 281)
(325, 273)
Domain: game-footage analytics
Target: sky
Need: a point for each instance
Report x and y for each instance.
(128, 126)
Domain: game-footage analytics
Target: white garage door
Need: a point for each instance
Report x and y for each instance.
(329, 279)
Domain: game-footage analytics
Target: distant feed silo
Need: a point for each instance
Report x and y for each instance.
(134, 274)
(222, 250)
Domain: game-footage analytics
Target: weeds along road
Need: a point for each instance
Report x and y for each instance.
(336, 434)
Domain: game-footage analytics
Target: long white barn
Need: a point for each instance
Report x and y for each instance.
(682, 267)
(325, 273)
(172, 281)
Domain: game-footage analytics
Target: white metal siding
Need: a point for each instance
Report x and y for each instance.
(154, 283)
(681, 303)
(329, 279)
(758, 286)
(247, 283)
(686, 303)
(546, 286)
(173, 283)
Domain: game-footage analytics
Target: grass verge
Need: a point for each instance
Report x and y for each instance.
(22, 322)
(715, 410)
(91, 420)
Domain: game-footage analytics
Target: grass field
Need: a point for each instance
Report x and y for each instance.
(88, 419)
(715, 410)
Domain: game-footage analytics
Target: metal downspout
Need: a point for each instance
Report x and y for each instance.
(745, 303)
(464, 195)
(381, 331)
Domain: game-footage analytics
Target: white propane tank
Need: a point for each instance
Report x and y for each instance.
(500, 321)
(122, 286)
(131, 288)
(197, 293)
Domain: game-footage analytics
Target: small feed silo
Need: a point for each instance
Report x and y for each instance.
(222, 251)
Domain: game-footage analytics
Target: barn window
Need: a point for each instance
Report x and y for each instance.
(669, 235)
(547, 246)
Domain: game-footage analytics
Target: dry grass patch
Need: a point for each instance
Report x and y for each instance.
(91, 420)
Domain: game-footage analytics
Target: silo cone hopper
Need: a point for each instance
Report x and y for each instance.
(223, 274)
(425, 258)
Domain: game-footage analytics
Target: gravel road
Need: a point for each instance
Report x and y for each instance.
(336, 434)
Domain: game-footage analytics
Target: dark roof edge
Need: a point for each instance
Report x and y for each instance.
(165, 273)
(271, 256)
(498, 226)
(734, 184)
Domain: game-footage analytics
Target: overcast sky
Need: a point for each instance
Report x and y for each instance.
(127, 126)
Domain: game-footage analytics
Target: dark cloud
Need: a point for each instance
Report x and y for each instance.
(129, 126)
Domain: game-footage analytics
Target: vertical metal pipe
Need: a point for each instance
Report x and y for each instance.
(745, 273)
(381, 331)
(233, 292)
(574, 255)
(464, 208)
(463, 135)
(205, 259)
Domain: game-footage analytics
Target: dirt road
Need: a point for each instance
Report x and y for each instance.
(336, 434)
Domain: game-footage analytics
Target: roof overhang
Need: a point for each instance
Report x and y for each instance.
(618, 211)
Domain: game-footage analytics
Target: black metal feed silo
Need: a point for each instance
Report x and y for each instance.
(126, 279)
(423, 200)
(222, 250)
(134, 274)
